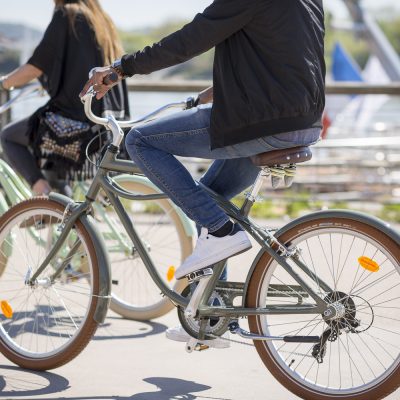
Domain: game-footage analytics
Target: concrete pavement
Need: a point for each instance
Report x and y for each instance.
(129, 360)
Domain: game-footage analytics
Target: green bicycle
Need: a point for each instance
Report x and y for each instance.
(321, 297)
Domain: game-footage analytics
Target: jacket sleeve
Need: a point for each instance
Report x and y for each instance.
(51, 47)
(216, 23)
(49, 55)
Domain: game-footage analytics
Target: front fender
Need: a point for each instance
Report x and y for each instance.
(102, 259)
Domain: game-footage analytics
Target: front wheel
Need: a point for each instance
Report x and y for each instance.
(358, 356)
(45, 324)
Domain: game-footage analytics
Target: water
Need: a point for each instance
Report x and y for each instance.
(141, 103)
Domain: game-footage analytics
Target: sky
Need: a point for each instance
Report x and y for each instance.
(137, 14)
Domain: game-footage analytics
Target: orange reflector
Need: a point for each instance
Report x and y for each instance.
(6, 309)
(368, 264)
(170, 273)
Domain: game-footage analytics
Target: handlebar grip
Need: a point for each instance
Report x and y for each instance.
(111, 78)
(191, 102)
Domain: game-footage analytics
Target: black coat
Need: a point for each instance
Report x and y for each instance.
(269, 68)
(65, 57)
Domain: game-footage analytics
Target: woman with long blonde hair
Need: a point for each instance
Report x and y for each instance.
(79, 37)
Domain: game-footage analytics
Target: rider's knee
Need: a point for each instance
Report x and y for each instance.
(133, 141)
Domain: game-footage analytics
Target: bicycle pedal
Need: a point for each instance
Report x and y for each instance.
(201, 347)
(194, 345)
(201, 273)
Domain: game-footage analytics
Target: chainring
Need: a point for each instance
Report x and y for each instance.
(216, 326)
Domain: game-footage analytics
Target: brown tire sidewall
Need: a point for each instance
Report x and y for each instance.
(392, 381)
(88, 329)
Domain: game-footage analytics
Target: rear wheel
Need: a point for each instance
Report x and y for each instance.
(48, 323)
(358, 356)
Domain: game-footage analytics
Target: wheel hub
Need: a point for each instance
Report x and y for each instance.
(341, 310)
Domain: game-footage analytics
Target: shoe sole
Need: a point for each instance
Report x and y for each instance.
(177, 337)
(221, 344)
(206, 263)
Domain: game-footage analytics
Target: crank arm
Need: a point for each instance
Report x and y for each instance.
(193, 306)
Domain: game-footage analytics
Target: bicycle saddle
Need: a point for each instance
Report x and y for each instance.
(294, 155)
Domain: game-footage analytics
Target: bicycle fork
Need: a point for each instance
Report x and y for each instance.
(65, 227)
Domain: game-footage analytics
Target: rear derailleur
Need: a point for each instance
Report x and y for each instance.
(331, 334)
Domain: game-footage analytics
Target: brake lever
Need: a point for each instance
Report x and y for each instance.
(90, 92)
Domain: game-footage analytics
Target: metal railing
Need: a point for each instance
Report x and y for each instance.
(140, 85)
(195, 86)
(340, 166)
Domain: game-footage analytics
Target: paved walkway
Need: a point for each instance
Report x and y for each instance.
(131, 360)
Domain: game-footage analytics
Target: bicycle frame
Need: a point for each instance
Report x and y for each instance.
(102, 181)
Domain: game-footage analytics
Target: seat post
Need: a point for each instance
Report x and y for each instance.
(251, 196)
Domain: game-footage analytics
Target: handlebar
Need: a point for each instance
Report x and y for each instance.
(25, 91)
(115, 126)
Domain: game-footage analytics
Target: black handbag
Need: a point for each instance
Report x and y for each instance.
(60, 145)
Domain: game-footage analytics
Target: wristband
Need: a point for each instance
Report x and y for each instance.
(117, 66)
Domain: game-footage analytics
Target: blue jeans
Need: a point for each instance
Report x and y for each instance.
(153, 147)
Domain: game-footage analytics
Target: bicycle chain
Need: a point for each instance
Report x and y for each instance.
(333, 336)
(231, 340)
(252, 345)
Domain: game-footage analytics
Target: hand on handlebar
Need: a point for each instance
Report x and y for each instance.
(102, 79)
(206, 96)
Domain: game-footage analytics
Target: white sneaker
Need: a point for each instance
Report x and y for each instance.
(180, 335)
(211, 249)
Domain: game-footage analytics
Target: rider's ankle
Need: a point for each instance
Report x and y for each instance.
(225, 230)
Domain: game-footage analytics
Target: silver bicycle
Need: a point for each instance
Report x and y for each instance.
(321, 297)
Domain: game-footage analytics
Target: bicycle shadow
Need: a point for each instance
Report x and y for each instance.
(170, 388)
(50, 327)
(166, 388)
(132, 329)
(18, 382)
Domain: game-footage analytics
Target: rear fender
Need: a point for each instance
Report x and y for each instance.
(374, 222)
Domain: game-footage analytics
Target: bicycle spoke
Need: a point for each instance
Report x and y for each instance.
(47, 315)
(360, 355)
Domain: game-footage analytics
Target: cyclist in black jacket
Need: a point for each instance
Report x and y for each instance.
(268, 93)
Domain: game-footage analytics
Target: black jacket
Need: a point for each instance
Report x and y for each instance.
(269, 68)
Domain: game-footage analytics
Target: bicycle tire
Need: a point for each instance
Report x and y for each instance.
(134, 294)
(49, 314)
(287, 371)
